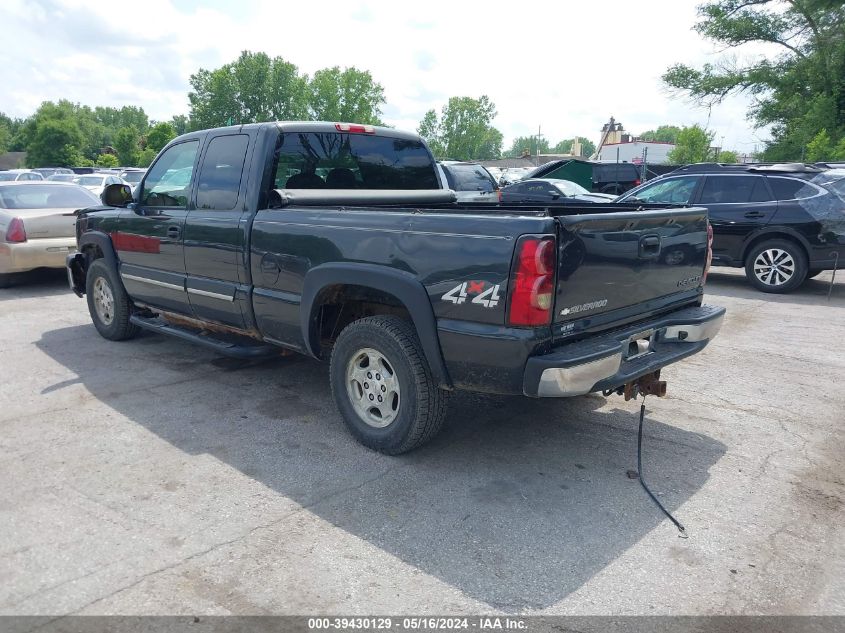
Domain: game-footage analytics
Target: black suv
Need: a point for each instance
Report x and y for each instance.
(782, 223)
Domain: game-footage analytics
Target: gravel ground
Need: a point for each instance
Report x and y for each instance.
(152, 477)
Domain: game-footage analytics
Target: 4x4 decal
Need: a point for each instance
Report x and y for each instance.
(486, 295)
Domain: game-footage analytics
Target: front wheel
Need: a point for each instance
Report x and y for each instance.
(383, 385)
(108, 302)
(777, 266)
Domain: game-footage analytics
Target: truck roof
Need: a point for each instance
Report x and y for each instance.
(312, 126)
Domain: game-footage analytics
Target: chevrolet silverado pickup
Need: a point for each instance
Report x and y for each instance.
(338, 241)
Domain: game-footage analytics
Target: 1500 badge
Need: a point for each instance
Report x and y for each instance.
(486, 295)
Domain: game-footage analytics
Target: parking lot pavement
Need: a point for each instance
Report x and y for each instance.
(152, 477)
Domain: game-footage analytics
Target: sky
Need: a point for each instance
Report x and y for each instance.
(565, 66)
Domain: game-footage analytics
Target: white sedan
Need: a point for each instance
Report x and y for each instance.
(95, 183)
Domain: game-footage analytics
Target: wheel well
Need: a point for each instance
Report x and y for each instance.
(92, 252)
(341, 304)
(774, 236)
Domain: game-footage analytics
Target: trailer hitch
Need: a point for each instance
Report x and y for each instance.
(648, 385)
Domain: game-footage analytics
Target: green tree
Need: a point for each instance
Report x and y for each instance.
(692, 146)
(181, 124)
(107, 160)
(663, 134)
(345, 95)
(126, 143)
(253, 88)
(588, 148)
(54, 143)
(159, 136)
(464, 130)
(429, 130)
(112, 119)
(728, 156)
(145, 158)
(92, 134)
(565, 146)
(798, 92)
(522, 144)
(5, 136)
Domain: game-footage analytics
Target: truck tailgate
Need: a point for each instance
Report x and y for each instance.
(615, 267)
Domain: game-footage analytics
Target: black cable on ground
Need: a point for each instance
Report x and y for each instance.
(640, 472)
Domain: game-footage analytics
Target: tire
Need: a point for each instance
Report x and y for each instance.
(414, 407)
(790, 268)
(6, 280)
(108, 302)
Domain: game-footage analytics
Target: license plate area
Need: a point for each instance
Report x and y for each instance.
(640, 345)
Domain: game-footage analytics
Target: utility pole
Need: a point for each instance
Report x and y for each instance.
(539, 136)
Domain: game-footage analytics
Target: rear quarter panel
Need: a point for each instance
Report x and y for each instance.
(462, 260)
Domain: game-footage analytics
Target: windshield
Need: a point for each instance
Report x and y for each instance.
(62, 177)
(470, 178)
(569, 188)
(670, 191)
(45, 197)
(90, 181)
(132, 176)
(7, 176)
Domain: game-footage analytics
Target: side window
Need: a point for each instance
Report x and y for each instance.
(790, 188)
(168, 183)
(760, 193)
(671, 191)
(732, 189)
(220, 175)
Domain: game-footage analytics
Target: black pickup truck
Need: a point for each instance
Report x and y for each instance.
(336, 241)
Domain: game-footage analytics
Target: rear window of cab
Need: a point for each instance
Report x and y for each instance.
(335, 160)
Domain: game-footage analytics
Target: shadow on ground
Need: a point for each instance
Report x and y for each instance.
(517, 503)
(36, 283)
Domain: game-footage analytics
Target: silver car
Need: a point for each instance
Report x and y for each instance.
(471, 182)
(15, 175)
(38, 225)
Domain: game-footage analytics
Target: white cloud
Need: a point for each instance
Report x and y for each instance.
(564, 66)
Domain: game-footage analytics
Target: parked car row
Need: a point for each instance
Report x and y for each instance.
(782, 223)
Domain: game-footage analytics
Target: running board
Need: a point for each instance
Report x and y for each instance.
(247, 349)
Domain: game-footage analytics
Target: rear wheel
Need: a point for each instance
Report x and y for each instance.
(383, 385)
(6, 280)
(776, 266)
(108, 302)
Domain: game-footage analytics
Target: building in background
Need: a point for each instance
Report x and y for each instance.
(617, 145)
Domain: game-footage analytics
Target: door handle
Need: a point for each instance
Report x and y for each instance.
(649, 246)
(173, 232)
(755, 214)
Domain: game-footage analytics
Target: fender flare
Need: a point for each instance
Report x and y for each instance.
(103, 241)
(402, 285)
(774, 232)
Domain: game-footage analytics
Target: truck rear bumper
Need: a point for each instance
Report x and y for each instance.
(610, 360)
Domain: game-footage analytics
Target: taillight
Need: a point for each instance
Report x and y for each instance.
(532, 282)
(637, 182)
(499, 194)
(16, 232)
(354, 128)
(709, 253)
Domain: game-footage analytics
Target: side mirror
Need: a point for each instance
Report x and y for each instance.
(555, 195)
(116, 195)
